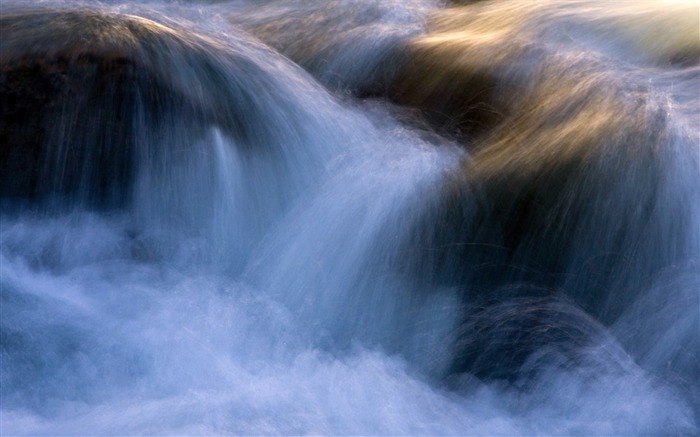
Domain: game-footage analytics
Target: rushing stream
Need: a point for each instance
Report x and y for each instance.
(359, 217)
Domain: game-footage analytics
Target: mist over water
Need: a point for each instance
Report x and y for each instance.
(371, 218)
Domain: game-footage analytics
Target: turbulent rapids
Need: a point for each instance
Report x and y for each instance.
(350, 217)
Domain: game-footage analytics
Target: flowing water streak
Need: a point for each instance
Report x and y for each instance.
(261, 283)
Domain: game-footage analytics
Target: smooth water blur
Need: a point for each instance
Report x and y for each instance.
(272, 266)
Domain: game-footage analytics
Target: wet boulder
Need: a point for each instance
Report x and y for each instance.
(88, 97)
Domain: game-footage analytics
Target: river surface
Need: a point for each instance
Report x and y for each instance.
(371, 217)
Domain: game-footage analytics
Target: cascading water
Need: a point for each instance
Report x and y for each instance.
(370, 217)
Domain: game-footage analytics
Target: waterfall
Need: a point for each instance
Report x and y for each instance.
(371, 217)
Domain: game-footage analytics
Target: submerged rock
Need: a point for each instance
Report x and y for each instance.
(88, 98)
(518, 333)
(582, 181)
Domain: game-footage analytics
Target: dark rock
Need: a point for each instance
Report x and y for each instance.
(519, 332)
(86, 97)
